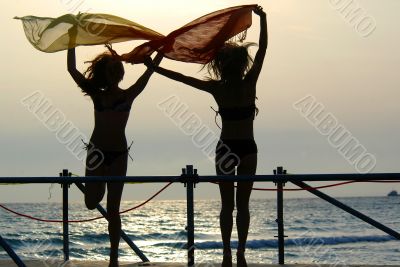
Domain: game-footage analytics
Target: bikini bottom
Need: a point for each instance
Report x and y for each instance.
(231, 151)
(97, 156)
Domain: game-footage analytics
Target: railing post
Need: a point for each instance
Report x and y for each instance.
(65, 187)
(189, 176)
(281, 230)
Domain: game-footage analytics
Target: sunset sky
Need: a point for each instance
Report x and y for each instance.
(346, 63)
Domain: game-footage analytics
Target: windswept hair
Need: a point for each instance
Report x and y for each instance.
(103, 66)
(230, 61)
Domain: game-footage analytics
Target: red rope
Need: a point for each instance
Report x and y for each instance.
(142, 204)
(320, 187)
(306, 188)
(85, 220)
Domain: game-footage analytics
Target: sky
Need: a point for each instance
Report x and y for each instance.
(331, 67)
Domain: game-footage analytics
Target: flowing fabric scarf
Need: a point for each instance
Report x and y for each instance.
(51, 34)
(198, 40)
(195, 42)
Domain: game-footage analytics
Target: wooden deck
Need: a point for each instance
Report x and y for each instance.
(75, 263)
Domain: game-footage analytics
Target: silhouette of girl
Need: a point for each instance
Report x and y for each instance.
(107, 151)
(234, 90)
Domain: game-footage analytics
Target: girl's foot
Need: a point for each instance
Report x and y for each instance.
(240, 259)
(227, 259)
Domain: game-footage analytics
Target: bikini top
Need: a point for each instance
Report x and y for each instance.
(238, 113)
(119, 106)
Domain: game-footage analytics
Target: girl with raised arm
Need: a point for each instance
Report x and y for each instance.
(108, 150)
(234, 90)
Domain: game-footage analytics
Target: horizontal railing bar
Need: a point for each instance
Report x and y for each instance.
(91, 179)
(208, 178)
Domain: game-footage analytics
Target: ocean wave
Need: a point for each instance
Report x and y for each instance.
(91, 237)
(178, 240)
(273, 243)
(172, 236)
(33, 242)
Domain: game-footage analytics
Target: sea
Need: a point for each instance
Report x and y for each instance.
(317, 232)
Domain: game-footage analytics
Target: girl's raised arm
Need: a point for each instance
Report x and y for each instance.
(141, 83)
(78, 77)
(255, 70)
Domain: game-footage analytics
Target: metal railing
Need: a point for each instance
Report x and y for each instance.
(190, 178)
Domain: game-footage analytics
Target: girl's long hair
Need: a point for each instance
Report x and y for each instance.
(230, 61)
(102, 68)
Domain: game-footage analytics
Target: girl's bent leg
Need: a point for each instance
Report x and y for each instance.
(94, 192)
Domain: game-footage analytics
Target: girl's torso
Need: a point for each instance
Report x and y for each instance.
(236, 103)
(111, 114)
